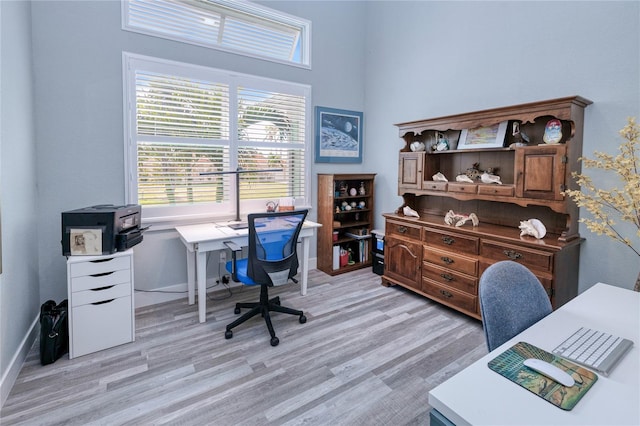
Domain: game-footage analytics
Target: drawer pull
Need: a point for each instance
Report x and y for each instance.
(103, 274)
(447, 277)
(402, 229)
(513, 255)
(448, 240)
(446, 294)
(102, 288)
(102, 260)
(447, 260)
(103, 302)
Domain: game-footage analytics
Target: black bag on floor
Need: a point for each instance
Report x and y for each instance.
(54, 331)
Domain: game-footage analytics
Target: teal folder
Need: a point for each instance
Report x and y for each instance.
(510, 365)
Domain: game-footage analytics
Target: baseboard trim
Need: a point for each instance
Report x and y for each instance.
(178, 291)
(10, 376)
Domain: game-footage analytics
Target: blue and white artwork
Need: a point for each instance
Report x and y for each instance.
(338, 136)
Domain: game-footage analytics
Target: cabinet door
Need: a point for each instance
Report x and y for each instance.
(403, 261)
(541, 172)
(410, 170)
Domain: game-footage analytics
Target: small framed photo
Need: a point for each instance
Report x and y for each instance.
(338, 136)
(85, 241)
(483, 137)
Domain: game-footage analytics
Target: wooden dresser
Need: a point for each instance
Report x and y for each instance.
(444, 262)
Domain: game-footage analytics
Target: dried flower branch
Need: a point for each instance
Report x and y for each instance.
(605, 205)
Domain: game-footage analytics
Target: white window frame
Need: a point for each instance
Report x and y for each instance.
(244, 10)
(169, 215)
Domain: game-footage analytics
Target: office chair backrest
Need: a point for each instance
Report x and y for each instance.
(273, 241)
(511, 300)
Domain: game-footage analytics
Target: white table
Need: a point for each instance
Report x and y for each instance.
(480, 396)
(206, 237)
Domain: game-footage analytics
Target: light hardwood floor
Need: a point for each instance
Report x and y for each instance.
(368, 355)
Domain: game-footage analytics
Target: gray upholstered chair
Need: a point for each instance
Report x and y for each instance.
(511, 300)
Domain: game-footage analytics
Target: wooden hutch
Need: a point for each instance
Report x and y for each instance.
(443, 262)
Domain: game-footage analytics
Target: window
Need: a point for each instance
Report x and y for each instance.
(231, 25)
(183, 121)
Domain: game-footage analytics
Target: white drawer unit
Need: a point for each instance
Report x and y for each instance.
(101, 305)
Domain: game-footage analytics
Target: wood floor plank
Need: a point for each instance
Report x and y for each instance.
(368, 355)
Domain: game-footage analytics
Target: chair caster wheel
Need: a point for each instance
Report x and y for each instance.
(275, 341)
(228, 334)
(236, 311)
(302, 319)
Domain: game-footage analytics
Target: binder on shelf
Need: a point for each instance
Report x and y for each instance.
(336, 257)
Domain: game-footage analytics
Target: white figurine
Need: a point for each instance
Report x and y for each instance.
(458, 219)
(439, 177)
(417, 146)
(464, 178)
(486, 177)
(408, 211)
(532, 227)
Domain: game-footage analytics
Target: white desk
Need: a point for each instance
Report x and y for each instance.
(203, 238)
(480, 396)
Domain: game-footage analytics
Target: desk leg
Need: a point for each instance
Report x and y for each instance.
(191, 283)
(201, 272)
(305, 266)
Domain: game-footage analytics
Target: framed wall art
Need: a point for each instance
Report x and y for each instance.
(338, 136)
(483, 137)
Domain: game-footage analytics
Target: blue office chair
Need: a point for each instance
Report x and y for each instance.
(511, 300)
(272, 261)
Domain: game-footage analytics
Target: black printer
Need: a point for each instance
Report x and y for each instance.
(101, 229)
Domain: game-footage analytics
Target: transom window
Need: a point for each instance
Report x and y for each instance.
(231, 25)
(185, 122)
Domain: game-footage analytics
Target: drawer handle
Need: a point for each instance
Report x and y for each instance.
(101, 274)
(447, 260)
(513, 255)
(103, 302)
(447, 277)
(446, 294)
(102, 288)
(402, 229)
(102, 260)
(448, 240)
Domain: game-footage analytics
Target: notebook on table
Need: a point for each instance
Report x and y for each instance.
(594, 349)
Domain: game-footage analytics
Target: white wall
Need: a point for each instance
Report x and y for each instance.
(429, 59)
(396, 61)
(19, 292)
(77, 50)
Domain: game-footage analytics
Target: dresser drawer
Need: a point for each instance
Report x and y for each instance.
(462, 282)
(404, 230)
(97, 327)
(469, 188)
(110, 264)
(533, 259)
(450, 296)
(451, 241)
(101, 294)
(503, 190)
(88, 282)
(545, 278)
(450, 260)
(434, 186)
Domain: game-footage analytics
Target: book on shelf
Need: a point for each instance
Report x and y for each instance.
(336, 257)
